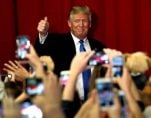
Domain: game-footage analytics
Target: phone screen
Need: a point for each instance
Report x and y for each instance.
(34, 86)
(98, 58)
(104, 88)
(23, 45)
(117, 66)
(29, 110)
(64, 76)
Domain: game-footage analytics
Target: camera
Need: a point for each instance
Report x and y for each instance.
(34, 86)
(98, 58)
(23, 45)
(117, 66)
(105, 93)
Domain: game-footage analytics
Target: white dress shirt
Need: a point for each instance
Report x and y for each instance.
(42, 39)
(79, 84)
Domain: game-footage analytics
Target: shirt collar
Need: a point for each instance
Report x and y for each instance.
(76, 39)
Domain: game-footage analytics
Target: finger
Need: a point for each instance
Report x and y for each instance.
(18, 64)
(7, 70)
(116, 101)
(43, 23)
(42, 27)
(13, 64)
(86, 106)
(45, 18)
(28, 56)
(38, 100)
(9, 67)
(32, 50)
(8, 103)
(88, 55)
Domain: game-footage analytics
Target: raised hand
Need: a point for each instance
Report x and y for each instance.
(91, 108)
(76, 67)
(35, 62)
(132, 96)
(17, 69)
(50, 101)
(43, 26)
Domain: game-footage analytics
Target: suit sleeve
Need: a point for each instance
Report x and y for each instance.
(42, 49)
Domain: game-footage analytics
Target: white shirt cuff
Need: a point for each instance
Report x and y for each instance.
(42, 38)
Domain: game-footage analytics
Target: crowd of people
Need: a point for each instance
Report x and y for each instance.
(36, 91)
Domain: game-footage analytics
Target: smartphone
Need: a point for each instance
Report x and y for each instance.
(23, 45)
(98, 58)
(122, 100)
(64, 76)
(29, 110)
(117, 66)
(34, 86)
(105, 93)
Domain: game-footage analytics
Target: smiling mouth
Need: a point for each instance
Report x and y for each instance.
(80, 30)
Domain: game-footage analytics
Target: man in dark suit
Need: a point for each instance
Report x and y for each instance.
(63, 47)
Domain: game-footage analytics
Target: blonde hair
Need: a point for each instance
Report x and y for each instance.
(80, 9)
(48, 61)
(137, 62)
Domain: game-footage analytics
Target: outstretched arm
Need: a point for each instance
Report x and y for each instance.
(77, 66)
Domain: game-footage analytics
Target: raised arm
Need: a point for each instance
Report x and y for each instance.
(77, 66)
(43, 27)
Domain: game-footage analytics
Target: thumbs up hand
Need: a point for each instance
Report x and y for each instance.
(43, 26)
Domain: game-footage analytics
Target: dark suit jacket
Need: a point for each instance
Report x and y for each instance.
(61, 48)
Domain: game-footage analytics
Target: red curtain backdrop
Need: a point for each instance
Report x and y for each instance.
(121, 24)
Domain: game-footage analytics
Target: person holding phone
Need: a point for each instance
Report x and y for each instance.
(62, 47)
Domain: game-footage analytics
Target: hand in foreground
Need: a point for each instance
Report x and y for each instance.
(11, 109)
(79, 62)
(77, 66)
(50, 101)
(115, 110)
(35, 62)
(112, 53)
(91, 108)
(132, 96)
(16, 68)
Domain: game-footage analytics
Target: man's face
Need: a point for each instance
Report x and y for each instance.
(79, 25)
